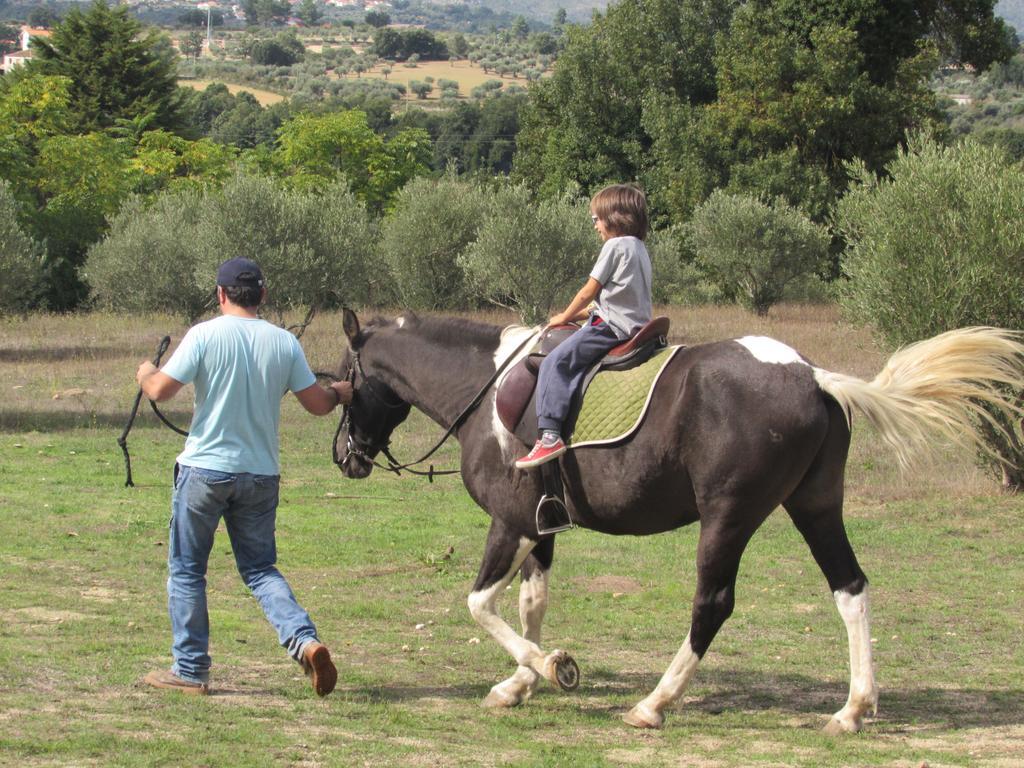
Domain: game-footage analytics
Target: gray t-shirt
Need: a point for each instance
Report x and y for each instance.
(623, 269)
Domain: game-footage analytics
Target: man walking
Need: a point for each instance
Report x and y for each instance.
(241, 367)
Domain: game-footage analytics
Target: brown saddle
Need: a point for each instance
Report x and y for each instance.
(517, 388)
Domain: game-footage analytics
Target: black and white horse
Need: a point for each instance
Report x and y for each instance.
(735, 429)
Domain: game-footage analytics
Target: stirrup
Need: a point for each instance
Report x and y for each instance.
(554, 509)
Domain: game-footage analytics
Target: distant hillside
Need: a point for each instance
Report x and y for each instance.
(579, 10)
(541, 10)
(1013, 12)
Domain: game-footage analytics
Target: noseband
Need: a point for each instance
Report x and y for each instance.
(351, 449)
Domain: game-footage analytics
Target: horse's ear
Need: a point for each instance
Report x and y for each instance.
(350, 323)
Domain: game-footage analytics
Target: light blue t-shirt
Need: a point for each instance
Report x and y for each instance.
(241, 369)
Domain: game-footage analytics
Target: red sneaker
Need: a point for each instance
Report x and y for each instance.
(541, 454)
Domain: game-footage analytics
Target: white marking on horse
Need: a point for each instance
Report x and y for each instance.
(481, 606)
(770, 350)
(863, 691)
(511, 337)
(648, 713)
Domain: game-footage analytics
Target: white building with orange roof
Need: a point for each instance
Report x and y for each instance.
(18, 58)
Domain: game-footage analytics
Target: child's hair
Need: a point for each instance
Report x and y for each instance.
(623, 209)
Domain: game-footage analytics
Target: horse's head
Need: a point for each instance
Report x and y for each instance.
(367, 423)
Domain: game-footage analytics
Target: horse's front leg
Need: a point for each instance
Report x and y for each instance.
(533, 604)
(505, 553)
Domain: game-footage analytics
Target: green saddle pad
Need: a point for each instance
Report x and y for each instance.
(616, 401)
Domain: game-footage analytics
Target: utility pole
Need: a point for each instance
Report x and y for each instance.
(209, 27)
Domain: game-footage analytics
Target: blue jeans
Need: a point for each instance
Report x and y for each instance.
(248, 504)
(562, 371)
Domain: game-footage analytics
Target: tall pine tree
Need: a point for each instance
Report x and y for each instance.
(119, 73)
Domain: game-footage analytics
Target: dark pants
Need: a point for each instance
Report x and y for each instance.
(562, 371)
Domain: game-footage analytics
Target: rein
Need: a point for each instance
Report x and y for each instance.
(123, 439)
(393, 464)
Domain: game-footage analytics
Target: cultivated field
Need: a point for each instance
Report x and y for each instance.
(384, 566)
(265, 98)
(465, 73)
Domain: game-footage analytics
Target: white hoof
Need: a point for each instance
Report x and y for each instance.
(499, 699)
(642, 717)
(837, 726)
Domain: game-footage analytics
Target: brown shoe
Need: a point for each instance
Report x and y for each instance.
(316, 661)
(164, 678)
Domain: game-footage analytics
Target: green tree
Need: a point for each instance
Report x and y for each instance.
(163, 255)
(530, 256)
(431, 225)
(420, 88)
(43, 16)
(377, 18)
(83, 179)
(310, 13)
(115, 68)
(21, 259)
(753, 251)
(8, 38)
(679, 93)
(164, 161)
(520, 28)
(313, 247)
(191, 44)
(283, 50)
(317, 149)
(938, 243)
(152, 258)
(583, 126)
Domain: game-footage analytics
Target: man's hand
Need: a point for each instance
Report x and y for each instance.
(156, 384)
(146, 369)
(343, 390)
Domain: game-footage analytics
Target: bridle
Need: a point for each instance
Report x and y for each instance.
(351, 449)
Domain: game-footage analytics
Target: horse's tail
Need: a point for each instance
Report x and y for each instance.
(939, 385)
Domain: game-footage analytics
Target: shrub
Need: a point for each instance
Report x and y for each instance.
(753, 251)
(150, 260)
(938, 244)
(530, 256)
(21, 259)
(313, 248)
(431, 225)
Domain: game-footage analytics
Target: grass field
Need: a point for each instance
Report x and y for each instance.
(465, 73)
(83, 606)
(265, 98)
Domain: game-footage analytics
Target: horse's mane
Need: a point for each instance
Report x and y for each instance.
(446, 330)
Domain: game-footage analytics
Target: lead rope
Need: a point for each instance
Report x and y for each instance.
(122, 441)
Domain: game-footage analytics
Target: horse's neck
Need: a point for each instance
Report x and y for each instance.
(441, 376)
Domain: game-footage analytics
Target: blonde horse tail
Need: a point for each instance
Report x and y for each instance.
(938, 386)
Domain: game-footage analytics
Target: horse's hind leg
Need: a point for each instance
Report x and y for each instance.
(505, 553)
(533, 604)
(718, 558)
(817, 511)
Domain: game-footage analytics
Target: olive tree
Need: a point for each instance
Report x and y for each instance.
(21, 259)
(432, 223)
(530, 256)
(313, 247)
(753, 251)
(937, 244)
(151, 259)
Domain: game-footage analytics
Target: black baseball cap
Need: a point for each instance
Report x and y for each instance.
(240, 272)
